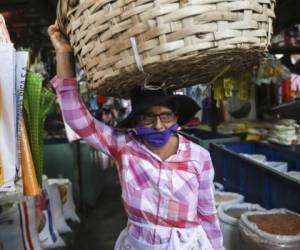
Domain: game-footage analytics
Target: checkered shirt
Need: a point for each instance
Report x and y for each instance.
(176, 192)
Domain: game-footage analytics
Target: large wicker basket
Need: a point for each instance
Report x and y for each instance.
(164, 43)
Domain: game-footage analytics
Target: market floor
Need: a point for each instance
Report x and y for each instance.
(102, 224)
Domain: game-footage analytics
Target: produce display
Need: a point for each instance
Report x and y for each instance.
(279, 224)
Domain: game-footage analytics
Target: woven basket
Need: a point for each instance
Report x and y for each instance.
(164, 43)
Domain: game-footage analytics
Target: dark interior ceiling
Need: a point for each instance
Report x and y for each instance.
(27, 20)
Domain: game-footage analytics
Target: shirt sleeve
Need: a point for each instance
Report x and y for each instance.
(206, 206)
(77, 116)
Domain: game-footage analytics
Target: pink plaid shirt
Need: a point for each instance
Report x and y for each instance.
(176, 192)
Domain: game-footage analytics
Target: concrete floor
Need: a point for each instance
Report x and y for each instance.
(101, 225)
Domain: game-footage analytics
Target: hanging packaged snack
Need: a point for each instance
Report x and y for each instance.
(30, 184)
(22, 60)
(8, 154)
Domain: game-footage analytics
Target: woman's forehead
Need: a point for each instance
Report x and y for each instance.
(158, 109)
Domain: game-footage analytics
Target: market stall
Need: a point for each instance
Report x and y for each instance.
(222, 54)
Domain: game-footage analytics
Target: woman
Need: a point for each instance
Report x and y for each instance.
(167, 181)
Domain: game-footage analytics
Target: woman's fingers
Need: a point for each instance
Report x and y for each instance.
(51, 30)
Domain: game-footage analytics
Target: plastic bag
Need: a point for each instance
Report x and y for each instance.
(66, 196)
(18, 225)
(8, 156)
(48, 234)
(218, 187)
(56, 206)
(251, 237)
(277, 165)
(229, 216)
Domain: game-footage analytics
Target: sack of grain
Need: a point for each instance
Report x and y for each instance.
(66, 197)
(18, 229)
(170, 44)
(48, 233)
(56, 205)
(276, 229)
(228, 198)
(229, 216)
(218, 187)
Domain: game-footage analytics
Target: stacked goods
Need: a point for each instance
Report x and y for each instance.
(48, 233)
(284, 132)
(121, 44)
(262, 159)
(270, 230)
(66, 197)
(13, 154)
(59, 222)
(228, 198)
(229, 216)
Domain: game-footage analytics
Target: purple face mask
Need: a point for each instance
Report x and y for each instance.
(156, 138)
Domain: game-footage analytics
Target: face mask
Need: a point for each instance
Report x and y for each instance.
(156, 138)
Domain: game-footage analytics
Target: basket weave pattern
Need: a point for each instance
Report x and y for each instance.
(179, 42)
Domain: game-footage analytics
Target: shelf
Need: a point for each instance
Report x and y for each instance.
(285, 108)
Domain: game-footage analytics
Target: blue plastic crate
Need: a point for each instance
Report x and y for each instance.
(259, 184)
(205, 138)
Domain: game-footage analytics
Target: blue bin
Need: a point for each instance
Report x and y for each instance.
(205, 138)
(259, 184)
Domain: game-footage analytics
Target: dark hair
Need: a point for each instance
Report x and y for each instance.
(171, 104)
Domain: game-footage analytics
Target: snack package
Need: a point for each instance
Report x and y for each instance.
(8, 154)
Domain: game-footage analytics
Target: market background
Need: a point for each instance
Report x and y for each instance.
(241, 124)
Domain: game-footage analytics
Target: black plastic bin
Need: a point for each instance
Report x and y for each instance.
(259, 184)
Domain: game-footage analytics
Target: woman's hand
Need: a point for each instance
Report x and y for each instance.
(60, 44)
(64, 65)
